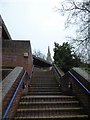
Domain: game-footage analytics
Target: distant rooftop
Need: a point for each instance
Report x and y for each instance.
(41, 62)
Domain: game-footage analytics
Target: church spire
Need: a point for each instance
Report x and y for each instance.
(49, 55)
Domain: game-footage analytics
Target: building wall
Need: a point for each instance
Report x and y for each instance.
(0, 42)
(0, 31)
(10, 86)
(0, 68)
(0, 27)
(70, 86)
(4, 34)
(14, 53)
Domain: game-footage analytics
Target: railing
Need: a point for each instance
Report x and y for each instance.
(59, 76)
(13, 97)
(57, 72)
(82, 85)
(31, 71)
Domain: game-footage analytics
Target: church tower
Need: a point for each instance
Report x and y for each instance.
(49, 55)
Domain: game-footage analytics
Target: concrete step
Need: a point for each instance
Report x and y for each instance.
(44, 90)
(43, 105)
(48, 98)
(44, 82)
(50, 87)
(44, 93)
(45, 77)
(46, 101)
(48, 109)
(51, 103)
(44, 85)
(56, 117)
(49, 112)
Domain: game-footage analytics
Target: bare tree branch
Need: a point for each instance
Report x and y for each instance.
(78, 12)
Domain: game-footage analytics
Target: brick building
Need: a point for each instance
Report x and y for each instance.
(14, 52)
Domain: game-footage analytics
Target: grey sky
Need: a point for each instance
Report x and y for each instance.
(34, 20)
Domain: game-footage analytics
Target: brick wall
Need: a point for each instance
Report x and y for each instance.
(77, 90)
(64, 84)
(0, 32)
(85, 81)
(10, 93)
(21, 91)
(0, 27)
(13, 54)
(9, 86)
(80, 92)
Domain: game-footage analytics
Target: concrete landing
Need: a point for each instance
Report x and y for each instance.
(9, 80)
(83, 73)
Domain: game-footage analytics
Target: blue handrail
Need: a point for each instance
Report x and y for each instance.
(88, 91)
(11, 101)
(13, 97)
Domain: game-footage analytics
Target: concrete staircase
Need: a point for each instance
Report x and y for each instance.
(46, 101)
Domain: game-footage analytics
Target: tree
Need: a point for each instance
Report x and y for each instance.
(39, 54)
(64, 56)
(77, 13)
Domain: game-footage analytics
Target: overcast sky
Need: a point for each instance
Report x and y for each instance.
(34, 20)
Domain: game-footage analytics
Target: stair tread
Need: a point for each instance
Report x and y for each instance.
(58, 116)
(48, 109)
(43, 102)
(48, 96)
(44, 86)
(44, 83)
(45, 91)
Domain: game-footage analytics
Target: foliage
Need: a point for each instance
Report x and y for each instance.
(77, 13)
(64, 56)
(86, 67)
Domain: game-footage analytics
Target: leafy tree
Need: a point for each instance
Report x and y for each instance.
(64, 56)
(77, 13)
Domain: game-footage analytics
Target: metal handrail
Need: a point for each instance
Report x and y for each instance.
(81, 84)
(13, 97)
